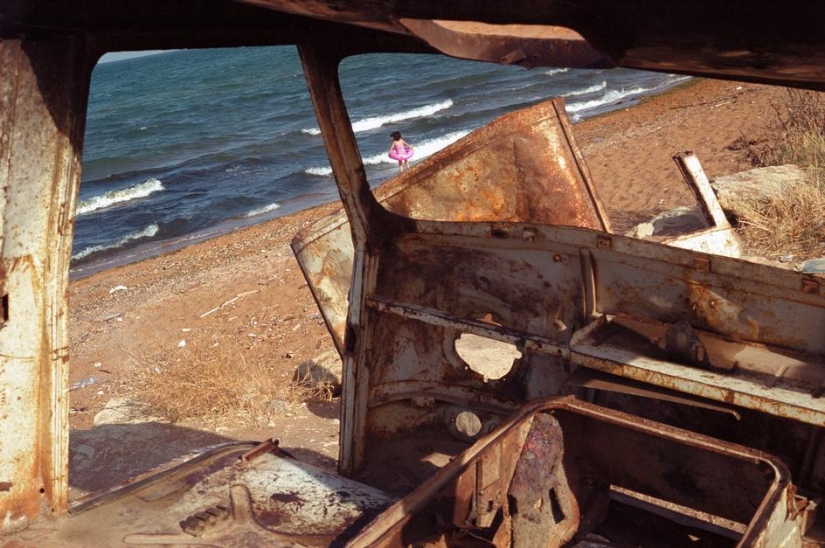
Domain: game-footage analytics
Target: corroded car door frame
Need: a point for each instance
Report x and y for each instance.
(523, 166)
(372, 226)
(321, 70)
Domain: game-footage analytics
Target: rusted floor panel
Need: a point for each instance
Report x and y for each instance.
(221, 499)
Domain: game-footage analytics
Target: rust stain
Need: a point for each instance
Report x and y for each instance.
(286, 498)
(810, 287)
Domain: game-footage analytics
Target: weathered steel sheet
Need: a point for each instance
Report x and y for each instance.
(770, 43)
(222, 499)
(719, 238)
(327, 266)
(743, 388)
(523, 45)
(523, 289)
(523, 167)
(738, 299)
(434, 285)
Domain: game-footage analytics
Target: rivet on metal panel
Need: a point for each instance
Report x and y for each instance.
(603, 242)
(810, 286)
(701, 263)
(529, 234)
(556, 258)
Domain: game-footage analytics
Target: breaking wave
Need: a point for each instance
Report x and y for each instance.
(148, 232)
(262, 210)
(422, 150)
(609, 98)
(114, 197)
(375, 122)
(592, 89)
(319, 171)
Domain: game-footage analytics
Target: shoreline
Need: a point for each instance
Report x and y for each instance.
(588, 128)
(147, 250)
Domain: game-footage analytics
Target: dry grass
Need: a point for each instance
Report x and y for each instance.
(795, 134)
(207, 381)
(790, 223)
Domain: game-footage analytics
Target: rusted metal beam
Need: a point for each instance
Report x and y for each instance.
(43, 89)
(523, 340)
(321, 72)
(365, 216)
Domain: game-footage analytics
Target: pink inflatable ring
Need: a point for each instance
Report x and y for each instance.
(401, 157)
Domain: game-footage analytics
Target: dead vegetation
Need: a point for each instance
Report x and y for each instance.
(791, 222)
(206, 381)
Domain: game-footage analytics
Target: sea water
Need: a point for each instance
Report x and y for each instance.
(184, 145)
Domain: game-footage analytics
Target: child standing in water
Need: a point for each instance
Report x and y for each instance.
(400, 150)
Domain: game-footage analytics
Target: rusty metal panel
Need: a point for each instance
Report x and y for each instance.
(533, 298)
(434, 285)
(522, 167)
(744, 387)
(576, 464)
(43, 94)
(772, 44)
(734, 298)
(221, 499)
(720, 238)
(524, 45)
(525, 288)
(326, 259)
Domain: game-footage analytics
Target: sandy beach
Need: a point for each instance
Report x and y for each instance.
(245, 292)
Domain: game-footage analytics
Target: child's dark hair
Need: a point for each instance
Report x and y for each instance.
(396, 135)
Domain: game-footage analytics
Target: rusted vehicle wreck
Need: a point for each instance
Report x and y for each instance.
(663, 394)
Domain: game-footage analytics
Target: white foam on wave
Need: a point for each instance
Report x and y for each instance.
(113, 197)
(591, 89)
(375, 122)
(147, 232)
(319, 171)
(422, 150)
(609, 98)
(551, 72)
(262, 210)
